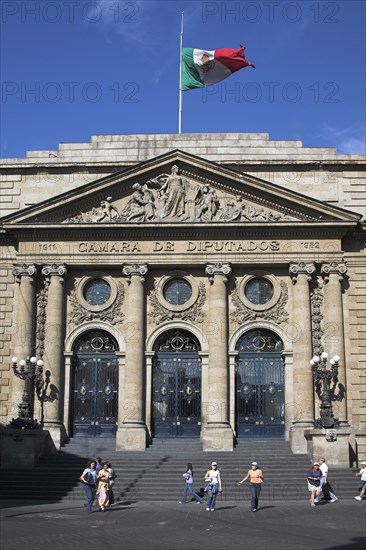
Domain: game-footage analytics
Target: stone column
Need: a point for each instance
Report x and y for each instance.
(334, 333)
(303, 384)
(131, 435)
(54, 370)
(25, 334)
(217, 434)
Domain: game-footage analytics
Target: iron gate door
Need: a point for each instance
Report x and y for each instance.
(177, 395)
(260, 407)
(95, 390)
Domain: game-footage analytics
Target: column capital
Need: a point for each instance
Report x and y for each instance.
(135, 269)
(301, 268)
(335, 268)
(24, 269)
(54, 269)
(217, 269)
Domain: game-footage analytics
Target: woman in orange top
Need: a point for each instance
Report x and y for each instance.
(255, 476)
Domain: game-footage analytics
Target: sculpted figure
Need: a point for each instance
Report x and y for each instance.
(247, 211)
(230, 212)
(206, 203)
(108, 210)
(138, 207)
(150, 208)
(175, 193)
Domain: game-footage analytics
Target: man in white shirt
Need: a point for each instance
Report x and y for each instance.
(324, 484)
(362, 474)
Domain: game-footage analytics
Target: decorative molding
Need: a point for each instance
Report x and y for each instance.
(337, 268)
(79, 314)
(42, 300)
(162, 314)
(301, 268)
(54, 269)
(275, 313)
(317, 301)
(135, 269)
(24, 269)
(217, 269)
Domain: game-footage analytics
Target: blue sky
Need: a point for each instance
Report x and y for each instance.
(71, 69)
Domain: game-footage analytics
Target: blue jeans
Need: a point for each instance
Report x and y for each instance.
(212, 491)
(89, 490)
(255, 491)
(189, 487)
(322, 483)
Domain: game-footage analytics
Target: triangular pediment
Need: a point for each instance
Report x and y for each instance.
(178, 188)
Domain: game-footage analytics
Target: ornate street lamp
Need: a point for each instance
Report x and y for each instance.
(31, 371)
(323, 379)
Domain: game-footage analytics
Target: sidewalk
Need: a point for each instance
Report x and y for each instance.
(138, 525)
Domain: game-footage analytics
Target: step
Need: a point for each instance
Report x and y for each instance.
(156, 474)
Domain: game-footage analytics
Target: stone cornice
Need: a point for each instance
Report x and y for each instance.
(258, 190)
(318, 230)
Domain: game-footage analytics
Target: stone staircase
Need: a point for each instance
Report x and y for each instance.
(156, 474)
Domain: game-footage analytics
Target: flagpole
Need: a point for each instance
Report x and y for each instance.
(180, 78)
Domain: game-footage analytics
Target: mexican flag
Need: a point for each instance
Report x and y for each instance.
(202, 68)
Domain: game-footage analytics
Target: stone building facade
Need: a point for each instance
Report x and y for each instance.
(179, 285)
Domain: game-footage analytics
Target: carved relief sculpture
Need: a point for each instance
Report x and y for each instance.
(276, 313)
(317, 299)
(167, 198)
(79, 314)
(160, 314)
(42, 298)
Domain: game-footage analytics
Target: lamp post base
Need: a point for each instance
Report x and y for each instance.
(23, 448)
(334, 444)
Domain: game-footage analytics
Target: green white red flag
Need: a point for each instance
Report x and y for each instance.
(201, 68)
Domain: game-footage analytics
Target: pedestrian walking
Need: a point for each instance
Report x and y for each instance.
(103, 487)
(98, 466)
(325, 487)
(255, 476)
(214, 486)
(89, 480)
(313, 478)
(188, 476)
(112, 477)
(362, 474)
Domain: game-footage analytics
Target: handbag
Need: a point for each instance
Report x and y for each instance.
(87, 477)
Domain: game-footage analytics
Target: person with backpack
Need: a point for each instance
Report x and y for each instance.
(188, 476)
(89, 480)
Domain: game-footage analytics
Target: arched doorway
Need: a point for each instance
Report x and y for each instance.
(176, 387)
(259, 385)
(94, 385)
